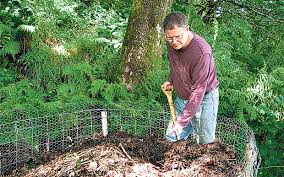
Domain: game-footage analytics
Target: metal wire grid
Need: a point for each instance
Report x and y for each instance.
(28, 137)
(241, 138)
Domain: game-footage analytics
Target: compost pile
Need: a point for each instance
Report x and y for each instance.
(121, 154)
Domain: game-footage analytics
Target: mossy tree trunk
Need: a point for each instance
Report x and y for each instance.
(142, 47)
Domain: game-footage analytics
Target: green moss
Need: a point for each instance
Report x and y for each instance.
(137, 6)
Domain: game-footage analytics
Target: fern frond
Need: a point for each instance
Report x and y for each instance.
(110, 92)
(103, 40)
(26, 28)
(122, 93)
(97, 86)
(114, 92)
(65, 90)
(4, 28)
(81, 69)
(11, 47)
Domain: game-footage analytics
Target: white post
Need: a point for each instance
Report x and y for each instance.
(104, 123)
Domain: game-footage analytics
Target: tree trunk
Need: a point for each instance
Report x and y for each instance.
(142, 48)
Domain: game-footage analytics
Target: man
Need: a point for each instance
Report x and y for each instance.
(193, 76)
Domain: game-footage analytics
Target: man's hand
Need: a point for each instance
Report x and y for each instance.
(177, 129)
(167, 86)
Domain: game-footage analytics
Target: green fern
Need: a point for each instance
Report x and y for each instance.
(110, 92)
(78, 70)
(150, 86)
(26, 28)
(21, 95)
(65, 90)
(6, 77)
(278, 73)
(116, 92)
(97, 86)
(11, 47)
(278, 81)
(79, 75)
(4, 29)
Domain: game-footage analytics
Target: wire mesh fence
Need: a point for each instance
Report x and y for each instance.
(27, 134)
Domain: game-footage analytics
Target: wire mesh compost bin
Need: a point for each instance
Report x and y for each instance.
(27, 134)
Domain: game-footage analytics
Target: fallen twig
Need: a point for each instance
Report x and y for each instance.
(120, 145)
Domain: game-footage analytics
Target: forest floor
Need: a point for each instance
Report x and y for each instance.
(121, 154)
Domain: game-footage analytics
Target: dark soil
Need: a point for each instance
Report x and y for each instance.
(121, 154)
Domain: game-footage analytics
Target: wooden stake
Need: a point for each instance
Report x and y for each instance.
(104, 123)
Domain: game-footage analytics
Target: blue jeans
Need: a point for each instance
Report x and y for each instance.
(203, 123)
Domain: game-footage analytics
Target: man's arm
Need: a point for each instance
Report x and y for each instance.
(200, 77)
(170, 78)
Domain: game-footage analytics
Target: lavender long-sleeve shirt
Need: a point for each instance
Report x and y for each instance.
(193, 72)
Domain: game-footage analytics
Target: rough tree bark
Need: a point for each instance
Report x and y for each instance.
(142, 48)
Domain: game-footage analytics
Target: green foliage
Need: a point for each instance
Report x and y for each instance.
(101, 54)
(277, 54)
(43, 67)
(267, 99)
(239, 34)
(9, 44)
(20, 95)
(6, 76)
(269, 123)
(243, 52)
(10, 47)
(75, 56)
(233, 81)
(16, 12)
(278, 81)
(76, 19)
(110, 92)
(116, 92)
(195, 21)
(120, 6)
(15, 20)
(79, 75)
(150, 87)
(97, 87)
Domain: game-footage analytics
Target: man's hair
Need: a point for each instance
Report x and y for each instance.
(174, 19)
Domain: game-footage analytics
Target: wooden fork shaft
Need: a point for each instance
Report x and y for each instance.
(168, 94)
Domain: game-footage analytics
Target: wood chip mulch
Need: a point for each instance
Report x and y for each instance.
(121, 154)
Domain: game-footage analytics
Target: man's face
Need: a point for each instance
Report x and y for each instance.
(177, 37)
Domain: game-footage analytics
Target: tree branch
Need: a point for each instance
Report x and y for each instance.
(258, 11)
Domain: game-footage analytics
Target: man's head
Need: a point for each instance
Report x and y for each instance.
(174, 19)
(176, 30)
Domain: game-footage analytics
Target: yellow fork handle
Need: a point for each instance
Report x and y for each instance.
(168, 94)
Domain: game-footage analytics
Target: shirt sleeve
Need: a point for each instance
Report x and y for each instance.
(170, 78)
(200, 75)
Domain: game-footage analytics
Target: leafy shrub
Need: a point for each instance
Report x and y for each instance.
(43, 67)
(6, 77)
(20, 95)
(268, 124)
(15, 20)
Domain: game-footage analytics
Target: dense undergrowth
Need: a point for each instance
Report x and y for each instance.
(53, 53)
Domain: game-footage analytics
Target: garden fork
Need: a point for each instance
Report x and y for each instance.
(169, 93)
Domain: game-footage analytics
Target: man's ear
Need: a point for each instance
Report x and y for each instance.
(187, 28)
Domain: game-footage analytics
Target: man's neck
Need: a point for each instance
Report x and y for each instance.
(189, 38)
